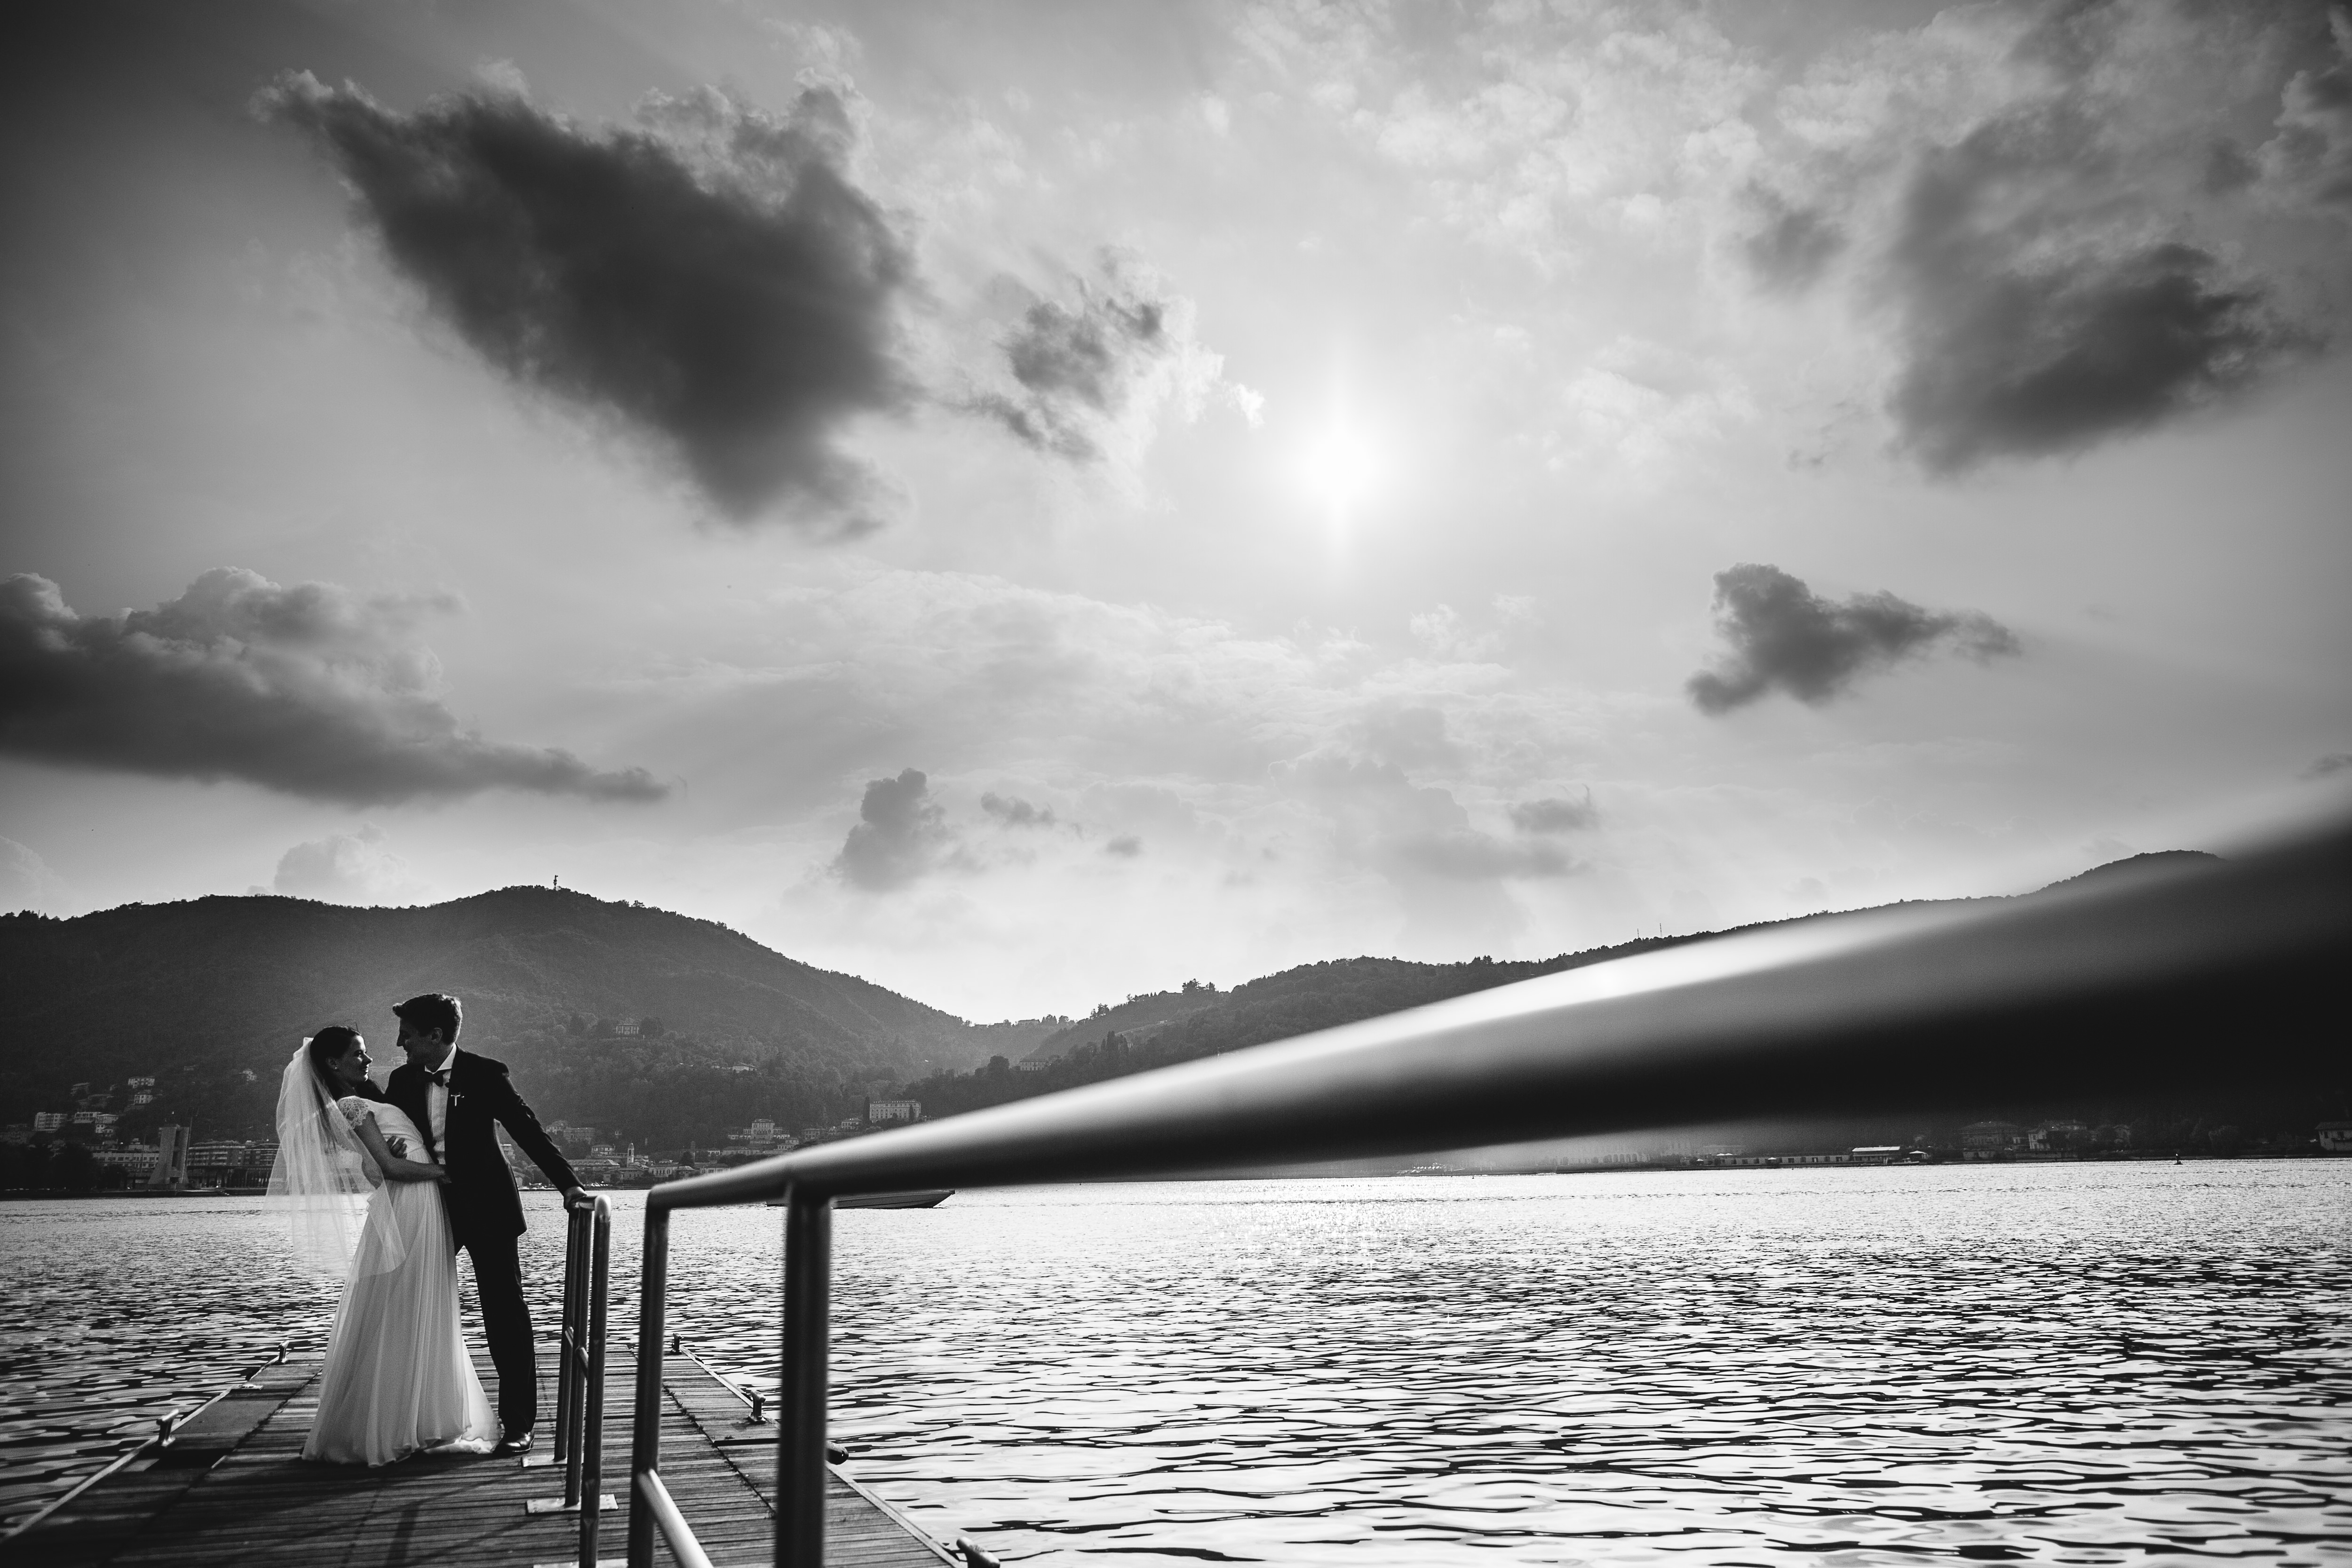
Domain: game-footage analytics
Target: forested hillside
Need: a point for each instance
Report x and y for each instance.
(209, 997)
(654, 1027)
(1167, 1027)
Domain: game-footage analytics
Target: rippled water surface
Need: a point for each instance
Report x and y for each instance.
(2059, 1363)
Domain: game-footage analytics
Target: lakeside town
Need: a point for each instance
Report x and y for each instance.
(77, 1150)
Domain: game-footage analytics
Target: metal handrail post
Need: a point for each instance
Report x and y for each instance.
(590, 1455)
(566, 1448)
(644, 1433)
(800, 1401)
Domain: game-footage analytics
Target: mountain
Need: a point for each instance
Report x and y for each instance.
(200, 995)
(209, 997)
(1200, 1019)
(1166, 1027)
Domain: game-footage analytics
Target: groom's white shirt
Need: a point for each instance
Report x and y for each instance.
(436, 1099)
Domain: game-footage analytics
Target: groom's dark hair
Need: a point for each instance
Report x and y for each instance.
(430, 1012)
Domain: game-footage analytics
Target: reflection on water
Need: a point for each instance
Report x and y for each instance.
(2082, 1364)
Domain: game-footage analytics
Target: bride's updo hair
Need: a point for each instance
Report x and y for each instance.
(326, 1047)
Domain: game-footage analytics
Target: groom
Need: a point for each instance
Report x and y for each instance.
(456, 1095)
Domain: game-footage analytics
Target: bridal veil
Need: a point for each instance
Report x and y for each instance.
(322, 1179)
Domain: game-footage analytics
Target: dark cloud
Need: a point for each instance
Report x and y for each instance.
(1793, 245)
(1076, 366)
(310, 690)
(1014, 812)
(1126, 846)
(2029, 329)
(2310, 158)
(1555, 814)
(1783, 635)
(2334, 763)
(901, 834)
(715, 281)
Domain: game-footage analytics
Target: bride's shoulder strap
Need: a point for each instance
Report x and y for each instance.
(355, 1108)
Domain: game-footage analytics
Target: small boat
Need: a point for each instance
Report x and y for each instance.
(923, 1198)
(927, 1198)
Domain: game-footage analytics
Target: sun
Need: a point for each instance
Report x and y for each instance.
(1339, 469)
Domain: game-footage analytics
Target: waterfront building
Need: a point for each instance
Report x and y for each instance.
(1877, 1153)
(1776, 1162)
(2334, 1137)
(878, 1111)
(170, 1172)
(49, 1120)
(230, 1163)
(137, 1160)
(2056, 1137)
(16, 1133)
(763, 1137)
(1990, 1140)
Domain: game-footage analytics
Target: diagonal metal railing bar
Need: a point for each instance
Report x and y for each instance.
(2171, 980)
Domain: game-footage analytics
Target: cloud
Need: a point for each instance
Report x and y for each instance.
(1469, 855)
(310, 690)
(1089, 374)
(1555, 813)
(1384, 820)
(2332, 764)
(346, 868)
(1126, 846)
(2030, 331)
(25, 880)
(2309, 161)
(901, 834)
(714, 280)
(1014, 812)
(1782, 635)
(1792, 246)
(1445, 633)
(1408, 737)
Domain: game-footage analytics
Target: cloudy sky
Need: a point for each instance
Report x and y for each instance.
(1032, 503)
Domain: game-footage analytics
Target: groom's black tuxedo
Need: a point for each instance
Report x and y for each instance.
(485, 1212)
(480, 1190)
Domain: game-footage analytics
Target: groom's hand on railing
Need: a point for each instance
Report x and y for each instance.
(575, 1198)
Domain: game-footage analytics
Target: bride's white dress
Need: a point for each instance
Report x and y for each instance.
(397, 1378)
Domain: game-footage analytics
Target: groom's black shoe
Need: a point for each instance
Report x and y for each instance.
(514, 1443)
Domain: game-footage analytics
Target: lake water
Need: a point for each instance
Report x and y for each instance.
(2100, 1363)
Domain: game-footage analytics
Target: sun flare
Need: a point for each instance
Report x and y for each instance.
(1340, 470)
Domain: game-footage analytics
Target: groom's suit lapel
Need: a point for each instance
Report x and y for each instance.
(407, 1092)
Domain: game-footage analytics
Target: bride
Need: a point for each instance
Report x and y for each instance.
(397, 1379)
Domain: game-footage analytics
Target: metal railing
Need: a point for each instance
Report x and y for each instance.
(2171, 980)
(167, 1431)
(579, 1441)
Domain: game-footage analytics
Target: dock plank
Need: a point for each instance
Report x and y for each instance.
(239, 1493)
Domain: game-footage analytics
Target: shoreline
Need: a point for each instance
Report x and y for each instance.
(1780, 1163)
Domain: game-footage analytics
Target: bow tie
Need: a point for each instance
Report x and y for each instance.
(440, 1076)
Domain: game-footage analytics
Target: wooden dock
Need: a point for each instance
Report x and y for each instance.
(233, 1490)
